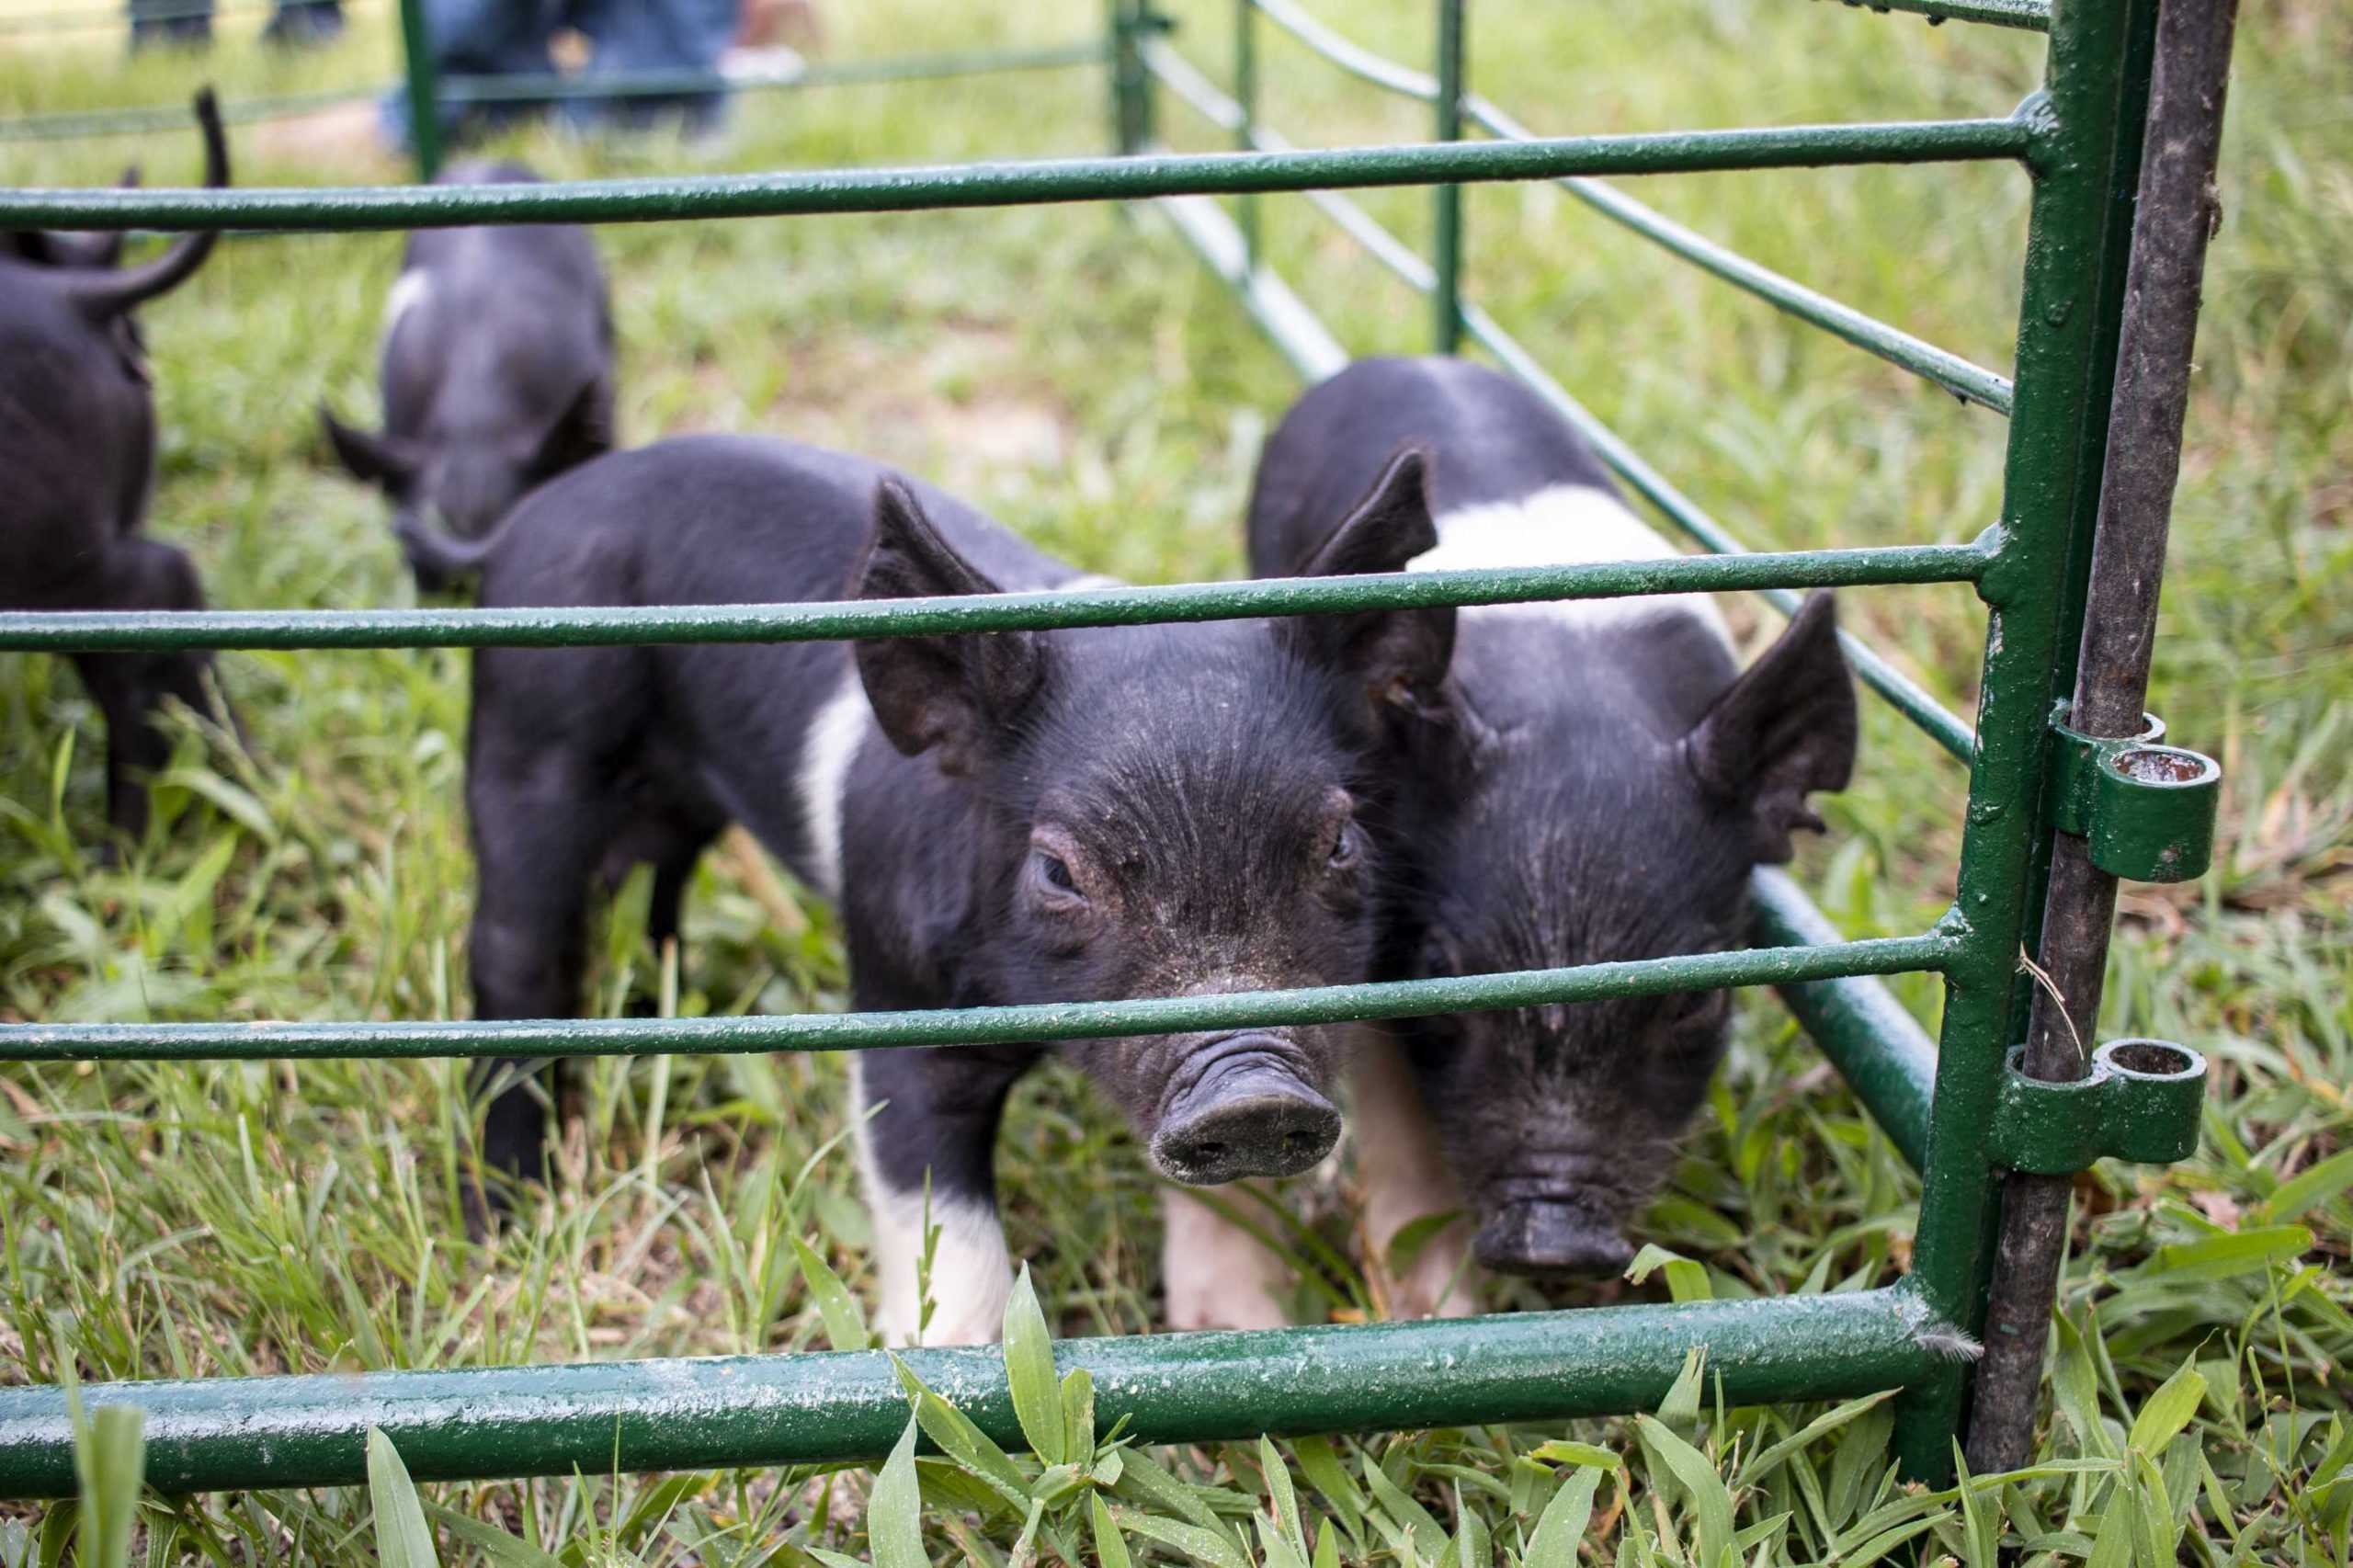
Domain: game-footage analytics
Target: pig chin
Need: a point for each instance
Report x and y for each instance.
(1561, 1221)
(1552, 1238)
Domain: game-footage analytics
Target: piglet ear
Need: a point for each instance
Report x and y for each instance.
(372, 458)
(957, 694)
(1783, 730)
(1401, 655)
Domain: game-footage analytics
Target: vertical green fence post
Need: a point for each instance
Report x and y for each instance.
(1446, 242)
(1132, 125)
(424, 88)
(2085, 167)
(1246, 97)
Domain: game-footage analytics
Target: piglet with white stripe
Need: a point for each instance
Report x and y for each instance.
(1596, 784)
(1019, 817)
(498, 376)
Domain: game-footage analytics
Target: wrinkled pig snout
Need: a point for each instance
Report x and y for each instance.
(1249, 1113)
(1550, 1241)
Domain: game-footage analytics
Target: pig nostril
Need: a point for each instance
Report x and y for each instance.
(1263, 1125)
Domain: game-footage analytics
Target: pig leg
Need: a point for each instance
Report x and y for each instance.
(541, 822)
(141, 573)
(1405, 1179)
(934, 1113)
(135, 747)
(671, 842)
(1216, 1273)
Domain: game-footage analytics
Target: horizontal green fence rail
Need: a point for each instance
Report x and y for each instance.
(973, 1026)
(127, 630)
(812, 1408)
(668, 197)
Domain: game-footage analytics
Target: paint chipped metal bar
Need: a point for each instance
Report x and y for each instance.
(737, 1411)
(2175, 215)
(77, 631)
(1878, 1047)
(1971, 384)
(968, 1026)
(2071, 305)
(669, 198)
(2032, 16)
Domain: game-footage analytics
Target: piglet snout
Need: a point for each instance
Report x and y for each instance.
(1546, 1240)
(1248, 1113)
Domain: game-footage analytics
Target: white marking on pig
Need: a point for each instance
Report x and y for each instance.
(1218, 1275)
(408, 292)
(1405, 1179)
(834, 735)
(1561, 525)
(971, 1275)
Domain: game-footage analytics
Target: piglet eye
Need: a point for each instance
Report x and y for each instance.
(1052, 884)
(1345, 849)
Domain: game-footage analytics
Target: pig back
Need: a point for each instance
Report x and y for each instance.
(1489, 440)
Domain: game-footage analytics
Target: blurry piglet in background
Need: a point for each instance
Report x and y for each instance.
(499, 374)
(1598, 784)
(77, 462)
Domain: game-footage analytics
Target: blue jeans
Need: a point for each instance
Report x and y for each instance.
(498, 37)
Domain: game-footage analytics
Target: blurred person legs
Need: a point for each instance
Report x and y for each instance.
(296, 23)
(189, 22)
(476, 39)
(683, 38)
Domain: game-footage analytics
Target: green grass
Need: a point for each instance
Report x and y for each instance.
(1074, 372)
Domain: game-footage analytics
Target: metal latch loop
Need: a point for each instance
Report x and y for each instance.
(2144, 809)
(2142, 1101)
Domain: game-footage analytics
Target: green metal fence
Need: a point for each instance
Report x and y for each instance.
(1961, 1111)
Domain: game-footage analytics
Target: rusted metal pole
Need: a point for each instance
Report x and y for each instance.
(2176, 214)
